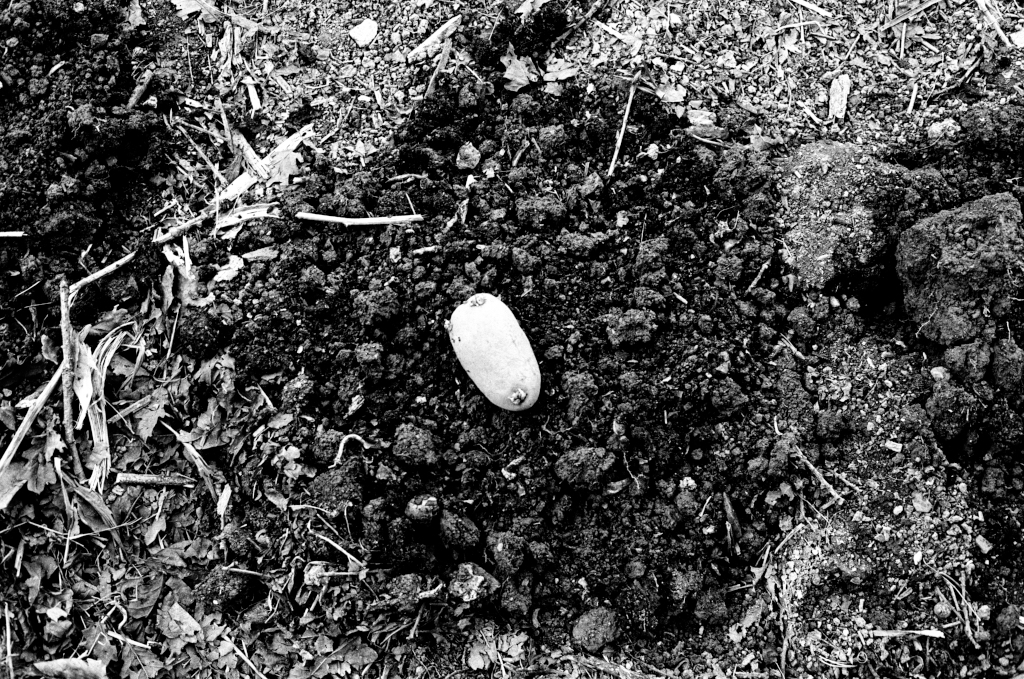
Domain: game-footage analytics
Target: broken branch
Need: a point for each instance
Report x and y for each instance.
(68, 340)
(30, 418)
(92, 278)
(625, 119)
(359, 221)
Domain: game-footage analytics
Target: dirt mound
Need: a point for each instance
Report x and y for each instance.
(960, 268)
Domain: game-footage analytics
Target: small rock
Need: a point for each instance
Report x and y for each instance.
(701, 117)
(710, 132)
(944, 128)
(942, 610)
(984, 545)
(838, 95)
(471, 582)
(595, 628)
(422, 508)
(364, 33)
(468, 157)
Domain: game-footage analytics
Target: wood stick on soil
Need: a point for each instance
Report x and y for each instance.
(625, 120)
(594, 9)
(442, 62)
(436, 37)
(359, 221)
(12, 234)
(814, 8)
(129, 479)
(68, 340)
(7, 638)
(909, 14)
(992, 19)
(818, 475)
(30, 417)
(92, 278)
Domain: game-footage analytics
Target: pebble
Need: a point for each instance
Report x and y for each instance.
(364, 33)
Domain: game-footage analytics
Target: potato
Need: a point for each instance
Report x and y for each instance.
(495, 352)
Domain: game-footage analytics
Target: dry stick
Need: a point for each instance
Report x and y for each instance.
(359, 221)
(437, 36)
(244, 658)
(12, 234)
(818, 475)
(909, 14)
(594, 9)
(128, 479)
(442, 62)
(814, 8)
(92, 278)
(913, 100)
(7, 635)
(30, 418)
(68, 376)
(990, 16)
(625, 119)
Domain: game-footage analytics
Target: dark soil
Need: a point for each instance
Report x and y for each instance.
(679, 358)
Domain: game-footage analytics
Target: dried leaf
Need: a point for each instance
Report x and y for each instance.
(72, 668)
(186, 8)
(158, 526)
(147, 418)
(100, 518)
(672, 95)
(518, 72)
(179, 624)
(528, 8)
(11, 481)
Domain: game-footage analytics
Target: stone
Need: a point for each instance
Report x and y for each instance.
(364, 33)
(468, 157)
(595, 629)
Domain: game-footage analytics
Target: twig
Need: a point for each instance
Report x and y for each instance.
(625, 119)
(341, 446)
(92, 278)
(140, 89)
(990, 16)
(7, 636)
(359, 221)
(12, 234)
(442, 62)
(909, 14)
(129, 479)
(244, 657)
(818, 475)
(760, 272)
(30, 418)
(913, 100)
(447, 28)
(594, 9)
(68, 376)
(814, 8)
(341, 549)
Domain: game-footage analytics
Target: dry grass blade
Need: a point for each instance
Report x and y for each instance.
(197, 460)
(30, 418)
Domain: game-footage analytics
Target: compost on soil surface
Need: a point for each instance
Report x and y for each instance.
(278, 279)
